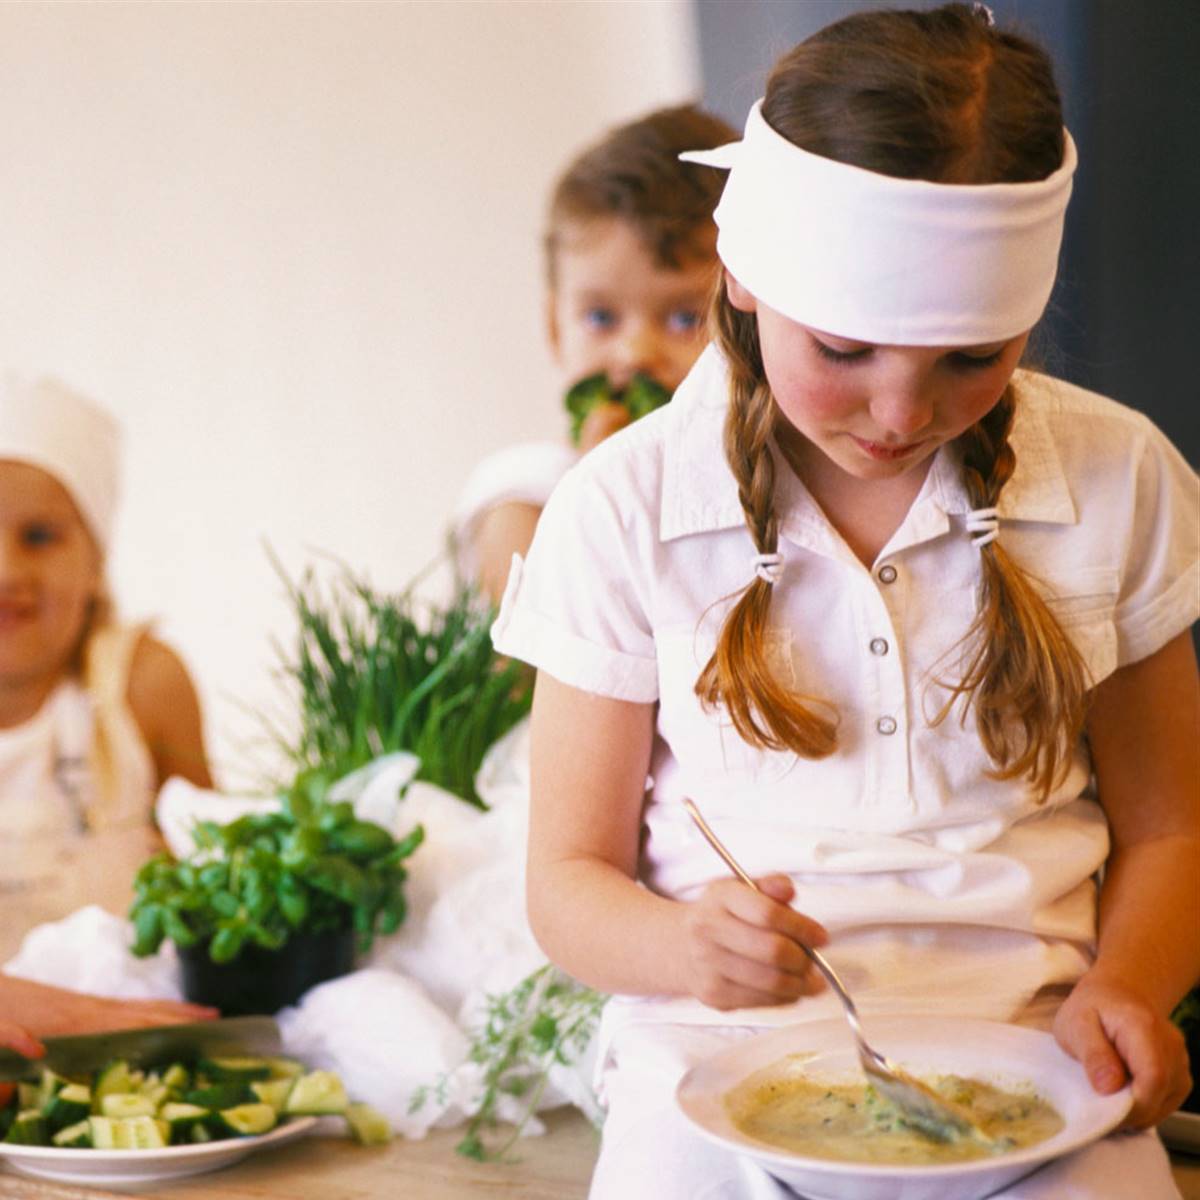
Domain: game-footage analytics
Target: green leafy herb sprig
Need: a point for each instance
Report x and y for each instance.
(311, 867)
(548, 1019)
(377, 673)
(642, 396)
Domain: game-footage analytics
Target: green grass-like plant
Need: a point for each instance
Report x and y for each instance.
(377, 673)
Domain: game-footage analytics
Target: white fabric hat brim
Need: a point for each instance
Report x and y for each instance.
(63, 433)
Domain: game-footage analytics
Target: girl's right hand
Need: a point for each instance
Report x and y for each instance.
(746, 950)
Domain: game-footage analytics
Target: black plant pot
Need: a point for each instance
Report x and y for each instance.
(264, 981)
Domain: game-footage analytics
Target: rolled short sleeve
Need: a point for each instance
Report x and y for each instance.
(1160, 588)
(576, 608)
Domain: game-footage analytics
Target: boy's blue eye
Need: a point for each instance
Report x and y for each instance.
(600, 318)
(39, 534)
(683, 320)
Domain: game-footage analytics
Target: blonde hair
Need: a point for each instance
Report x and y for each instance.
(933, 95)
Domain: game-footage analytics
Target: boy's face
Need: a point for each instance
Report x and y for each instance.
(615, 309)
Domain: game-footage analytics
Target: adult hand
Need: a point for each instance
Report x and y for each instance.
(603, 421)
(745, 949)
(1119, 1038)
(15, 1037)
(47, 1011)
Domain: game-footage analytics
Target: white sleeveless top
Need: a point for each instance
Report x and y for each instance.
(77, 785)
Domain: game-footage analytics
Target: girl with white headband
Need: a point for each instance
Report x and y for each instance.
(94, 715)
(907, 622)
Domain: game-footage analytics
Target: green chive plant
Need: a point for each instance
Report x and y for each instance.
(377, 673)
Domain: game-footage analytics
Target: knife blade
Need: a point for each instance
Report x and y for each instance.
(155, 1045)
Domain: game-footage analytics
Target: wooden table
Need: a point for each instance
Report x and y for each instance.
(556, 1166)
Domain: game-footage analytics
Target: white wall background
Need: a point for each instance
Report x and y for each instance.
(295, 247)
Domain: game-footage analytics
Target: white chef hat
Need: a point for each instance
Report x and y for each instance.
(885, 260)
(47, 425)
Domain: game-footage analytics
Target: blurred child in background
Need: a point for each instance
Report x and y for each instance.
(94, 715)
(630, 251)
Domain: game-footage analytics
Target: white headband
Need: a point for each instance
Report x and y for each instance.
(885, 260)
(68, 436)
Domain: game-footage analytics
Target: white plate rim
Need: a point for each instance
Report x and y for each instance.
(156, 1162)
(830, 1038)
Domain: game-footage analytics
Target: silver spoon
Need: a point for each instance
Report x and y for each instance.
(923, 1108)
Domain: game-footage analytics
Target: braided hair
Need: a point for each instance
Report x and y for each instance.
(943, 96)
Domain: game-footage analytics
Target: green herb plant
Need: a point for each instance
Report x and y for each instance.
(311, 867)
(378, 673)
(642, 396)
(547, 1020)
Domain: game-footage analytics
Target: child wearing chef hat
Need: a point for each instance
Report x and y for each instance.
(94, 714)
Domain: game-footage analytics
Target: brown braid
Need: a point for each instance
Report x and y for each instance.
(935, 95)
(1023, 675)
(738, 676)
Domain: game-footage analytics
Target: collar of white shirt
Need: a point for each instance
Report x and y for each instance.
(699, 493)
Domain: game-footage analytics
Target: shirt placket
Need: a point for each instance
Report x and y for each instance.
(880, 598)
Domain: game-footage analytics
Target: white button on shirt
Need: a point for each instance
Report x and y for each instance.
(629, 579)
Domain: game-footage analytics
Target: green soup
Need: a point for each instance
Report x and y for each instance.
(851, 1122)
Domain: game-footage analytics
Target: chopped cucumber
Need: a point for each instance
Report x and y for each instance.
(183, 1116)
(75, 1137)
(248, 1120)
(183, 1120)
(69, 1106)
(104, 1132)
(234, 1070)
(177, 1077)
(156, 1092)
(220, 1095)
(127, 1133)
(317, 1094)
(50, 1086)
(123, 1108)
(285, 1068)
(30, 1128)
(127, 1104)
(367, 1126)
(115, 1079)
(273, 1092)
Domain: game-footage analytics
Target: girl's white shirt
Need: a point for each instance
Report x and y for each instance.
(941, 886)
(77, 785)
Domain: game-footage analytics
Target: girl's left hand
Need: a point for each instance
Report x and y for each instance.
(1119, 1038)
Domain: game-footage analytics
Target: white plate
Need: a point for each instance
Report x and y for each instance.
(139, 1170)
(1003, 1054)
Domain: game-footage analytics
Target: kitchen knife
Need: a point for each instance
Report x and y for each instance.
(158, 1045)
